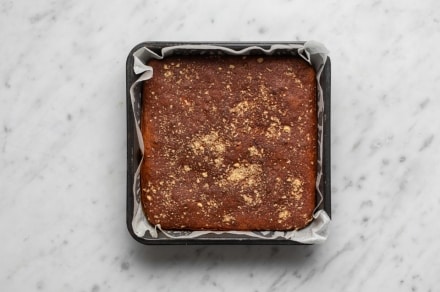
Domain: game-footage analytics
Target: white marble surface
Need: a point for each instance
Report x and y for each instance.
(62, 147)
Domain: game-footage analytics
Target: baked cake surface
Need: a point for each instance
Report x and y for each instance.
(230, 143)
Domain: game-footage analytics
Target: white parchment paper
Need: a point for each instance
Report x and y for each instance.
(316, 232)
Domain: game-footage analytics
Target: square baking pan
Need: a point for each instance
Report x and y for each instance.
(134, 153)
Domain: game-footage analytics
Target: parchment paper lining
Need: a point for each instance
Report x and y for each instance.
(316, 232)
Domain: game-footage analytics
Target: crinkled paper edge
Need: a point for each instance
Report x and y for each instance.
(316, 232)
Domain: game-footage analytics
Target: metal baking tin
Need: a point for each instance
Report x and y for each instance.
(134, 153)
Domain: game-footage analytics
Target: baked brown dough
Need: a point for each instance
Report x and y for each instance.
(230, 143)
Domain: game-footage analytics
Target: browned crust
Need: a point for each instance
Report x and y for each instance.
(230, 143)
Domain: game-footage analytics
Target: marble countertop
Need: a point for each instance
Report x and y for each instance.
(63, 147)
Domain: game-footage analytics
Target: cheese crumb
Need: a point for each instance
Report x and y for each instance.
(228, 218)
(253, 151)
(283, 215)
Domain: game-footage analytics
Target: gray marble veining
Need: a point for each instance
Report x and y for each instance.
(62, 147)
